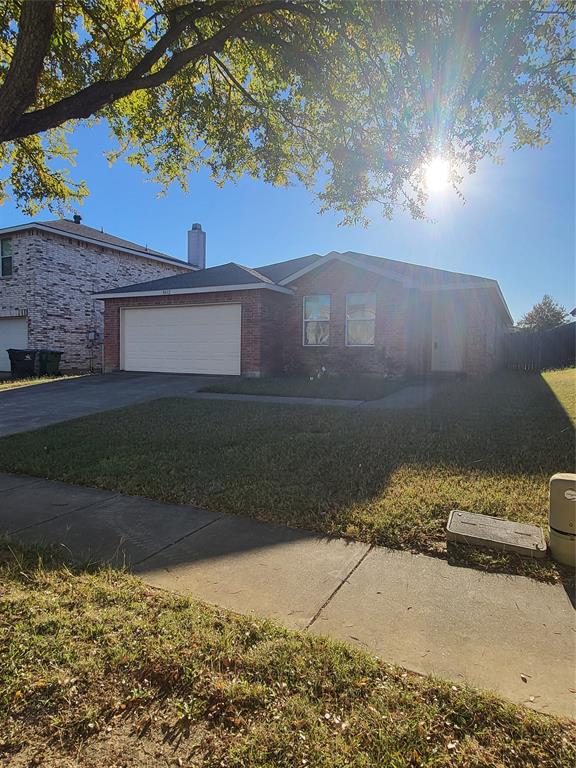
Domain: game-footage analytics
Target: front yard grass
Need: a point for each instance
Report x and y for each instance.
(336, 387)
(99, 670)
(384, 477)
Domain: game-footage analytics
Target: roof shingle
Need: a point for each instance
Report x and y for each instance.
(217, 277)
(284, 269)
(81, 230)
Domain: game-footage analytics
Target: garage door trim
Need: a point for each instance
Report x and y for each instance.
(169, 305)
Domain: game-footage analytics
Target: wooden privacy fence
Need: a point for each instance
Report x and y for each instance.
(539, 350)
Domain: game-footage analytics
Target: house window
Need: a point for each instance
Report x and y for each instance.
(316, 321)
(6, 257)
(360, 319)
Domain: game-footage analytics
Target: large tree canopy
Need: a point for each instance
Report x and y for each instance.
(351, 97)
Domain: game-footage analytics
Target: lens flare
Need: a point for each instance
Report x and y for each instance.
(437, 175)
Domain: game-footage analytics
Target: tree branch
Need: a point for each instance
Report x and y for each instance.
(18, 90)
(92, 98)
(239, 87)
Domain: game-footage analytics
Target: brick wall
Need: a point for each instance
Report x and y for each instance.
(260, 333)
(273, 322)
(403, 333)
(398, 335)
(272, 326)
(18, 294)
(480, 321)
(53, 282)
(484, 333)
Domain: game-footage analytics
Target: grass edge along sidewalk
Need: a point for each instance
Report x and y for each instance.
(330, 387)
(99, 668)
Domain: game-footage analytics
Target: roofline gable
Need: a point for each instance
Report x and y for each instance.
(254, 273)
(344, 257)
(101, 243)
(308, 259)
(266, 282)
(488, 284)
(504, 302)
(475, 282)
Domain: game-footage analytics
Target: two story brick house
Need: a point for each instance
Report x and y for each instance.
(342, 312)
(49, 273)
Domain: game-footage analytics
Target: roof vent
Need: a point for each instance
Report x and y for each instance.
(77, 218)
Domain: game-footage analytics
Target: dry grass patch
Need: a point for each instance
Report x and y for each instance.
(99, 670)
(8, 384)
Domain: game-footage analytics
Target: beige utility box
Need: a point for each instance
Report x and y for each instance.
(562, 518)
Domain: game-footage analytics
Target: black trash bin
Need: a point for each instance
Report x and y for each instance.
(49, 362)
(22, 362)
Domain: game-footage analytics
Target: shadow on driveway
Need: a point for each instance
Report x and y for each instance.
(27, 408)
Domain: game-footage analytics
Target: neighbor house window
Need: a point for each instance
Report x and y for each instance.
(316, 321)
(360, 319)
(6, 257)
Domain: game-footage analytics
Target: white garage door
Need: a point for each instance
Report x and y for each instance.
(13, 334)
(182, 339)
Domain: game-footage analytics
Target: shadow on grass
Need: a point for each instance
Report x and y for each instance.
(485, 446)
(20, 560)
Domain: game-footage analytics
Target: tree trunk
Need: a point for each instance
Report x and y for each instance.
(18, 91)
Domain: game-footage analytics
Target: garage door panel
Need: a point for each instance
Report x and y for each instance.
(13, 335)
(202, 339)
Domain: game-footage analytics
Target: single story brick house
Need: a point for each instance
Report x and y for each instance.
(49, 271)
(345, 312)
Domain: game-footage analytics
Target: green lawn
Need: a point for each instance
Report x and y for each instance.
(99, 670)
(391, 478)
(337, 387)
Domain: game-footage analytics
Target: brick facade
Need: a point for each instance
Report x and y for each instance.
(261, 317)
(403, 326)
(54, 277)
(485, 330)
(398, 335)
(272, 325)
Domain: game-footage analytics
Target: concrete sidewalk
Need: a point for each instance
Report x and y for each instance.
(411, 396)
(505, 633)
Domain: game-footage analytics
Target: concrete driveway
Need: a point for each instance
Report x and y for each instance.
(43, 404)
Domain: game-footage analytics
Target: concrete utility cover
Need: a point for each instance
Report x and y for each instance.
(495, 533)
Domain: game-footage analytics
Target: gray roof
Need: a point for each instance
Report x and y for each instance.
(284, 269)
(273, 275)
(71, 228)
(415, 273)
(426, 277)
(223, 275)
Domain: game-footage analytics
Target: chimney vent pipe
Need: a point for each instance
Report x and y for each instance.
(197, 247)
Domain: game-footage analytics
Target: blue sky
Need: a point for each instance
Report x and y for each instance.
(517, 224)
